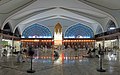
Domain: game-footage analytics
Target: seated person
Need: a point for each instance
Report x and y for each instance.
(89, 51)
(89, 54)
(93, 50)
(4, 53)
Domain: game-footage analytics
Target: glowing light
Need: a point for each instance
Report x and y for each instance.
(38, 37)
(23, 37)
(33, 37)
(78, 37)
(111, 28)
(36, 40)
(29, 36)
(70, 37)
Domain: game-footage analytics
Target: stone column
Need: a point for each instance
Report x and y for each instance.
(118, 42)
(12, 42)
(1, 36)
(103, 42)
(1, 41)
(12, 45)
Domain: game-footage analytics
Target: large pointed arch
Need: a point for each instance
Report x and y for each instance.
(79, 31)
(110, 25)
(7, 29)
(17, 32)
(37, 31)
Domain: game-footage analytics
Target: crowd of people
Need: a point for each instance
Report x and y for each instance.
(23, 54)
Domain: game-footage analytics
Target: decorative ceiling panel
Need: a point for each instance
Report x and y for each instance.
(79, 31)
(37, 31)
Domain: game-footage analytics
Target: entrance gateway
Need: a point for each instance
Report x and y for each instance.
(58, 42)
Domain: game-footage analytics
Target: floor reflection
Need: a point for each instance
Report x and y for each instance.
(111, 57)
(60, 60)
(66, 64)
(71, 59)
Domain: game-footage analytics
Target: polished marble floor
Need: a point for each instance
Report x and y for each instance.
(69, 65)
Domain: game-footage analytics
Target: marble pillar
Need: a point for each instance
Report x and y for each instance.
(1, 41)
(118, 42)
(103, 43)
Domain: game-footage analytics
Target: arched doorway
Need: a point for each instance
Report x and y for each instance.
(58, 34)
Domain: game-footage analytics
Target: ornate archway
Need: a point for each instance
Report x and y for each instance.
(37, 31)
(58, 34)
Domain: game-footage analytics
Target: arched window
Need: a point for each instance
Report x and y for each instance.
(7, 29)
(79, 31)
(17, 32)
(36, 31)
(111, 25)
